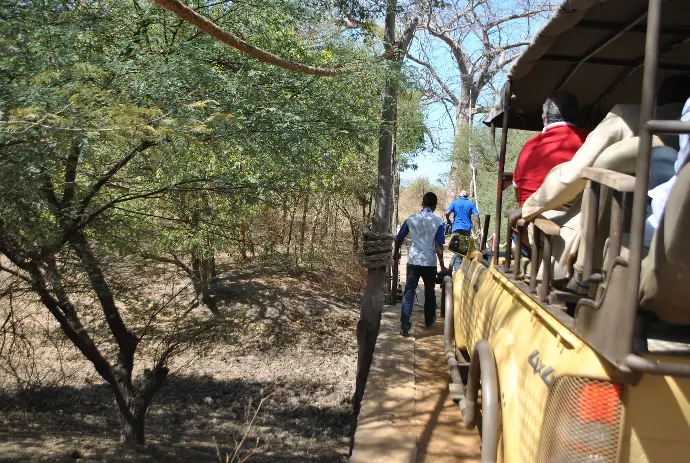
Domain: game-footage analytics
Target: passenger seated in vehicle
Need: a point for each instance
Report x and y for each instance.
(663, 175)
(659, 194)
(563, 184)
(664, 288)
(556, 144)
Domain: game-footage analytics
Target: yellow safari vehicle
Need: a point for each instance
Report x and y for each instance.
(554, 376)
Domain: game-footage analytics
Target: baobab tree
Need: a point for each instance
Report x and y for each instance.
(484, 37)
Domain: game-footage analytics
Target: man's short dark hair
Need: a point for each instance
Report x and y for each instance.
(561, 106)
(429, 200)
(675, 89)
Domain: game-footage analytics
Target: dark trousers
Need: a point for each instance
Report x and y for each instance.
(428, 275)
(524, 250)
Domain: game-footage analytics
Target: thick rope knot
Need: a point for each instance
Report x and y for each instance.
(376, 250)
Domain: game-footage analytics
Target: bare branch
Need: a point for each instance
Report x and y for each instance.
(174, 261)
(15, 273)
(456, 50)
(17, 141)
(71, 326)
(522, 43)
(125, 198)
(126, 340)
(438, 79)
(185, 13)
(514, 16)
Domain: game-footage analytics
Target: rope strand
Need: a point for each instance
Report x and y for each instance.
(377, 251)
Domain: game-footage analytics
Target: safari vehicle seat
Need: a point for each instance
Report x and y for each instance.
(622, 157)
(665, 273)
(619, 157)
(665, 277)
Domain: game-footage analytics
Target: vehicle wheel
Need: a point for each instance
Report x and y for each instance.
(483, 394)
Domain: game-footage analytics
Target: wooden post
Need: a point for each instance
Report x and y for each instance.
(534, 263)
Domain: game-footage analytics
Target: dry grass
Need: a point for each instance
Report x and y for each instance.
(286, 342)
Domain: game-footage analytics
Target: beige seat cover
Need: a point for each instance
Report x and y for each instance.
(665, 278)
(622, 156)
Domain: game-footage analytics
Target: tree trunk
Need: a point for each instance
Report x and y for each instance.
(327, 222)
(372, 300)
(133, 402)
(314, 227)
(243, 243)
(391, 274)
(214, 271)
(303, 228)
(354, 230)
(132, 426)
(292, 220)
(335, 229)
(201, 273)
(463, 129)
(283, 223)
(250, 243)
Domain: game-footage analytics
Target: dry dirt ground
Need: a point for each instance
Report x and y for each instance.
(289, 340)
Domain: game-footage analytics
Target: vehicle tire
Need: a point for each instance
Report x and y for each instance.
(484, 395)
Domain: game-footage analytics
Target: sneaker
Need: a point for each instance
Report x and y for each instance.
(405, 333)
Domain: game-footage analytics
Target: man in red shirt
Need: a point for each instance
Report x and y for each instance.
(556, 144)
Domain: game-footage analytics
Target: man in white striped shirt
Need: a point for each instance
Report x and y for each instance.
(428, 237)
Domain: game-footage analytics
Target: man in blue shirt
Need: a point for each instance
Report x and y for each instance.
(428, 237)
(463, 209)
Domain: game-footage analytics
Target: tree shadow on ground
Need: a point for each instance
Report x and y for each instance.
(63, 423)
(269, 309)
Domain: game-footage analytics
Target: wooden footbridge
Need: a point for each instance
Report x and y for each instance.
(407, 414)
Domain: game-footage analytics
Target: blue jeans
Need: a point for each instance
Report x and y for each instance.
(428, 275)
(524, 250)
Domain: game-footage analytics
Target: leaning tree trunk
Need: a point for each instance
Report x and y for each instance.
(372, 301)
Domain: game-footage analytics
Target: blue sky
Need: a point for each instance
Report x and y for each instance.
(434, 164)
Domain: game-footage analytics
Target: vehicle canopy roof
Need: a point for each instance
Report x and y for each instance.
(595, 49)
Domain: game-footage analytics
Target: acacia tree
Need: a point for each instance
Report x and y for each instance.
(483, 38)
(102, 140)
